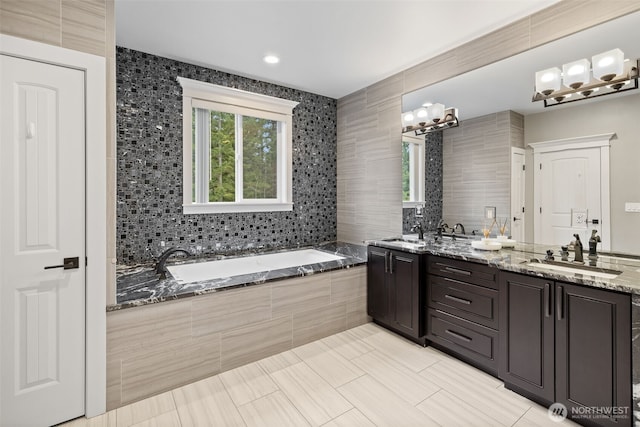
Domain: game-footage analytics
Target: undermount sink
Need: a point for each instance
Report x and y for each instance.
(584, 270)
(620, 258)
(451, 236)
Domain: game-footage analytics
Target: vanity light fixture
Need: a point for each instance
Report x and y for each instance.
(607, 73)
(408, 119)
(436, 112)
(421, 114)
(576, 73)
(548, 81)
(433, 118)
(607, 65)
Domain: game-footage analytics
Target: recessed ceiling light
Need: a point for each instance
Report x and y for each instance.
(271, 59)
(427, 104)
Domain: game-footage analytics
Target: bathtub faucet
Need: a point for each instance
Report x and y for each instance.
(162, 259)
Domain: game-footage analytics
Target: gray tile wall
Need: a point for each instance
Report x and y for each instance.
(477, 171)
(149, 167)
(433, 187)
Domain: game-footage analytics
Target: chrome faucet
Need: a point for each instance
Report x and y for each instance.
(442, 226)
(418, 227)
(455, 227)
(160, 267)
(593, 243)
(577, 248)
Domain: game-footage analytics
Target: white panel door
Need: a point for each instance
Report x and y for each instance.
(517, 194)
(569, 195)
(42, 222)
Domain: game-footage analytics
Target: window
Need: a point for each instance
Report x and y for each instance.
(237, 150)
(413, 165)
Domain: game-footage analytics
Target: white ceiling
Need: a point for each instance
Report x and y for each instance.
(327, 47)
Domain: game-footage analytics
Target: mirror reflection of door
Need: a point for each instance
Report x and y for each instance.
(571, 188)
(517, 194)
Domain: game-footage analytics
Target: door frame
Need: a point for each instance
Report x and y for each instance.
(94, 68)
(602, 141)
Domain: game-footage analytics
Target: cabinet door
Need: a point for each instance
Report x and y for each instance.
(593, 349)
(527, 335)
(405, 292)
(377, 290)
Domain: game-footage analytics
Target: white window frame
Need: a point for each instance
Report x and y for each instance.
(219, 98)
(416, 171)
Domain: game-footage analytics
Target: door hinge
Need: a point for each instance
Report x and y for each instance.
(86, 261)
(523, 209)
(540, 209)
(540, 166)
(523, 168)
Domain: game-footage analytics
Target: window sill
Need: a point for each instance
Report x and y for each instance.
(216, 208)
(411, 204)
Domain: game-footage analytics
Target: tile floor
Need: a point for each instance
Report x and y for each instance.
(365, 376)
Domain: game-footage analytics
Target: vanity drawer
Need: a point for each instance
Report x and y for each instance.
(475, 343)
(470, 272)
(471, 302)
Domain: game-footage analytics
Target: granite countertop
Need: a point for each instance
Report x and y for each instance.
(140, 285)
(517, 259)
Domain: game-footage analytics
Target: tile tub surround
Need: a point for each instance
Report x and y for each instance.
(140, 285)
(149, 167)
(432, 187)
(157, 347)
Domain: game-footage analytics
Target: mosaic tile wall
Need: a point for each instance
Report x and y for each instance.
(149, 167)
(433, 187)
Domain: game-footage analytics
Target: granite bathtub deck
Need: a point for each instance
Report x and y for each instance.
(516, 259)
(140, 285)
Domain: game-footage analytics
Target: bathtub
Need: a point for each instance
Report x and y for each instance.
(210, 270)
(138, 285)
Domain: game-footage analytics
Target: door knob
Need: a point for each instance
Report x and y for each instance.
(68, 264)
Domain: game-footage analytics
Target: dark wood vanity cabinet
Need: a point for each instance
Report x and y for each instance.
(395, 291)
(566, 343)
(462, 310)
(527, 335)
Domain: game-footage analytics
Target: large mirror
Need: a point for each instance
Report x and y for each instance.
(501, 130)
